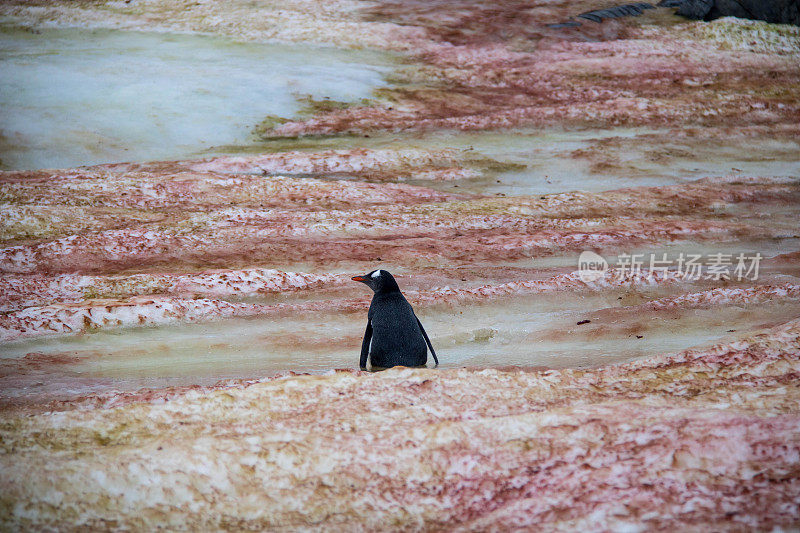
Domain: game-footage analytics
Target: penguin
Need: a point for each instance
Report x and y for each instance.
(394, 335)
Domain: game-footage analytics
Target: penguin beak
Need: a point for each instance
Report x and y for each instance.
(359, 278)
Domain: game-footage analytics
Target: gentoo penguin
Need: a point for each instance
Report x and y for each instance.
(394, 334)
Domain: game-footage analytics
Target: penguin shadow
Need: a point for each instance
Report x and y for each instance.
(394, 335)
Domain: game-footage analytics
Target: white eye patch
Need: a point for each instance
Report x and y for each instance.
(376, 274)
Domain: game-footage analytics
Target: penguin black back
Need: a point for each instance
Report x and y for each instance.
(394, 335)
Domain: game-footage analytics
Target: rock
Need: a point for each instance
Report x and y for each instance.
(567, 24)
(694, 9)
(776, 11)
(627, 10)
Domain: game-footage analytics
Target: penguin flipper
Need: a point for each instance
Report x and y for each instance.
(365, 346)
(427, 340)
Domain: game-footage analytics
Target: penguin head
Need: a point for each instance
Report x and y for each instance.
(378, 281)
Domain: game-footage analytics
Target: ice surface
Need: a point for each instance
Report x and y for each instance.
(72, 97)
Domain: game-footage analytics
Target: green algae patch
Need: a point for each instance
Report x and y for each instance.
(310, 107)
(314, 106)
(36, 222)
(731, 33)
(123, 287)
(269, 123)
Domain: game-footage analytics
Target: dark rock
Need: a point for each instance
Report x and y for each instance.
(777, 11)
(627, 10)
(567, 24)
(695, 9)
(590, 16)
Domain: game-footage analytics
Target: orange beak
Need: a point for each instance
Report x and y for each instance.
(358, 278)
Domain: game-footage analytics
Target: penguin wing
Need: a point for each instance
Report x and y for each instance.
(427, 340)
(365, 346)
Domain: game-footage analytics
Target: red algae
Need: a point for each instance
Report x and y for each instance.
(635, 74)
(21, 291)
(703, 435)
(87, 315)
(508, 227)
